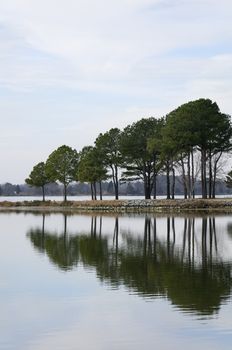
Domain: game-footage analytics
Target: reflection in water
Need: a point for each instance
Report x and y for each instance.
(190, 272)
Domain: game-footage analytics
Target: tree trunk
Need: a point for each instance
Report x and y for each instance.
(115, 179)
(116, 182)
(168, 180)
(203, 174)
(116, 190)
(65, 192)
(95, 191)
(193, 179)
(147, 190)
(214, 182)
(215, 174)
(100, 190)
(210, 175)
(43, 192)
(146, 184)
(183, 178)
(173, 182)
(154, 186)
(91, 186)
(149, 187)
(189, 177)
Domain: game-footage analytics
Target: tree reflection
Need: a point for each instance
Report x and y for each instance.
(188, 272)
(62, 250)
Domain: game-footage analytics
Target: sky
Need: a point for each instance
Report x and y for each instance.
(72, 69)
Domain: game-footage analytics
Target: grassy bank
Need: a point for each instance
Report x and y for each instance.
(136, 205)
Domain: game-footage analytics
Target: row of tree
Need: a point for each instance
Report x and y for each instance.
(190, 142)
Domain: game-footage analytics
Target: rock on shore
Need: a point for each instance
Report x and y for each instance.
(134, 205)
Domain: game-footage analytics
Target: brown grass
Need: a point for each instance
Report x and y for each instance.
(159, 205)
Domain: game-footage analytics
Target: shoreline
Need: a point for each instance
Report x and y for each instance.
(223, 205)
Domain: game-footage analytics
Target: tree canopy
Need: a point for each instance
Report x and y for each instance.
(62, 165)
(139, 158)
(38, 177)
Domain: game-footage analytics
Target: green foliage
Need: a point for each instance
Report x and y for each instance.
(108, 144)
(91, 168)
(198, 124)
(62, 165)
(140, 148)
(134, 140)
(156, 145)
(38, 177)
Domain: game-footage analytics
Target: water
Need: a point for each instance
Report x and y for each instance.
(60, 198)
(86, 198)
(115, 282)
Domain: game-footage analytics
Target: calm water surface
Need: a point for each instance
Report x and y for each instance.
(84, 198)
(115, 282)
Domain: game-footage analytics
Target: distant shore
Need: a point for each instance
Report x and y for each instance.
(123, 206)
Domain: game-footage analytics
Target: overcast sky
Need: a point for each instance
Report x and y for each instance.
(72, 69)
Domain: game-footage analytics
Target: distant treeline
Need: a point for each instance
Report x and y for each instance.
(135, 188)
(181, 153)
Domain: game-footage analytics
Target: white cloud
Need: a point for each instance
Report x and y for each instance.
(104, 40)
